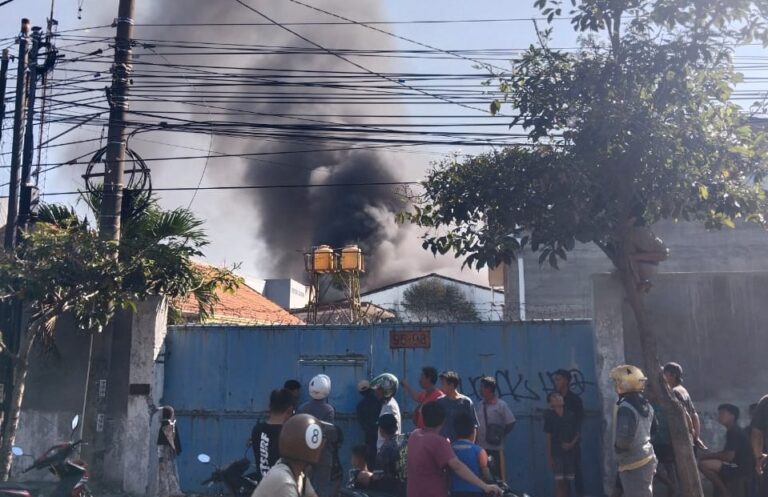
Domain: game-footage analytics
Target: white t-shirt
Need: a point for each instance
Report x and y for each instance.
(390, 407)
(280, 482)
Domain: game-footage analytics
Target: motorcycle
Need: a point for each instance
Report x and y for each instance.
(356, 492)
(72, 474)
(233, 476)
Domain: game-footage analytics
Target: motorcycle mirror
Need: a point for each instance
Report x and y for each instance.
(204, 458)
(75, 422)
(17, 451)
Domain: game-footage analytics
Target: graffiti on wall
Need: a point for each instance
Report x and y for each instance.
(517, 387)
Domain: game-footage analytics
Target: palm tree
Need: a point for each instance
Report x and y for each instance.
(158, 246)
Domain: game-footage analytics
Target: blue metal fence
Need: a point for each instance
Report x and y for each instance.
(219, 379)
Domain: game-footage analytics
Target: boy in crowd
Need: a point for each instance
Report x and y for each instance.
(735, 460)
(562, 429)
(388, 477)
(454, 403)
(265, 435)
(472, 455)
(430, 456)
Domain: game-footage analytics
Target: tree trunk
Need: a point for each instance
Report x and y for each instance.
(689, 482)
(20, 368)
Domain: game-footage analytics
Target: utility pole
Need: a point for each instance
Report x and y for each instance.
(3, 82)
(111, 205)
(18, 135)
(28, 188)
(49, 46)
(98, 426)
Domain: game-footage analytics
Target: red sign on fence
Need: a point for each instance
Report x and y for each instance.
(410, 339)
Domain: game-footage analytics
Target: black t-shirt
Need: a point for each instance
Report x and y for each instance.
(368, 410)
(266, 451)
(563, 429)
(574, 404)
(736, 441)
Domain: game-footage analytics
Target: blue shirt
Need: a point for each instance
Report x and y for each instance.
(469, 454)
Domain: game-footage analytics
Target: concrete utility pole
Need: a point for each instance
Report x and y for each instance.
(18, 135)
(3, 82)
(99, 426)
(27, 186)
(109, 221)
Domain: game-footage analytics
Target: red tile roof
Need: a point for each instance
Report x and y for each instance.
(243, 306)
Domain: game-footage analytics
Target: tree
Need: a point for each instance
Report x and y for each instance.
(635, 126)
(433, 301)
(61, 266)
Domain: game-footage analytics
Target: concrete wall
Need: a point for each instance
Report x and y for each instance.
(567, 292)
(56, 386)
(713, 324)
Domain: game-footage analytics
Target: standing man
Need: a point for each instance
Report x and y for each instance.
(735, 460)
(632, 432)
(759, 445)
(265, 435)
(430, 392)
(495, 422)
(430, 456)
(454, 403)
(368, 411)
(320, 409)
(385, 387)
(573, 404)
(301, 442)
(673, 375)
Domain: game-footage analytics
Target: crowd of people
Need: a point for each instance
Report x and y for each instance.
(644, 448)
(456, 448)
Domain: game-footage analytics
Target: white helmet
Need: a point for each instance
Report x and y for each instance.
(320, 387)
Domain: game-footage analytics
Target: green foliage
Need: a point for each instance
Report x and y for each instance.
(156, 253)
(635, 125)
(62, 269)
(433, 301)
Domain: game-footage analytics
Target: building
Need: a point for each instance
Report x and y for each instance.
(488, 302)
(243, 306)
(536, 291)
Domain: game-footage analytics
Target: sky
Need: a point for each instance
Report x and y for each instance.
(506, 27)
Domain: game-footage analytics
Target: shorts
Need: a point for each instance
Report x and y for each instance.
(564, 466)
(730, 472)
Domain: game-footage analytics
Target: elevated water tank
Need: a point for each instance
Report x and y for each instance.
(324, 259)
(351, 258)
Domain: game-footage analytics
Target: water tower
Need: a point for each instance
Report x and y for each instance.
(339, 268)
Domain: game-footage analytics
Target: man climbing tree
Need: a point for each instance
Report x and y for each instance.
(635, 126)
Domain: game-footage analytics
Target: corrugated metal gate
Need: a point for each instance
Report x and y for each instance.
(219, 379)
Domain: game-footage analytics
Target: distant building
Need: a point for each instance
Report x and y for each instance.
(287, 293)
(487, 301)
(536, 291)
(244, 306)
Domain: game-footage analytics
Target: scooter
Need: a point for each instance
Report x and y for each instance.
(72, 474)
(233, 477)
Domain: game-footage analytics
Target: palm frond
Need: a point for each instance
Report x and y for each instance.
(59, 215)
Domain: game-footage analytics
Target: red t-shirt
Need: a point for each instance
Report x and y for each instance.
(425, 397)
(428, 456)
